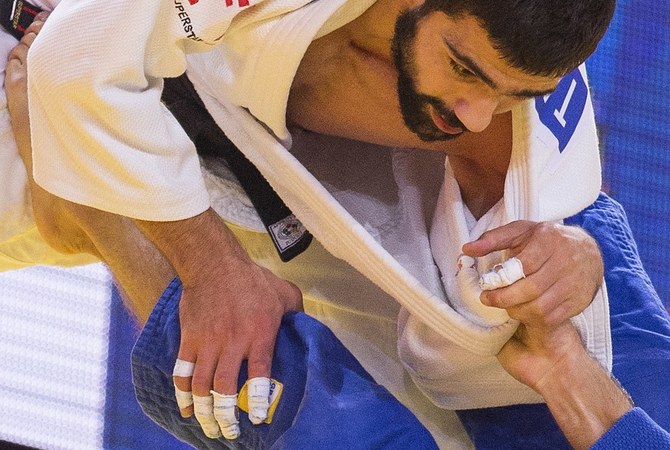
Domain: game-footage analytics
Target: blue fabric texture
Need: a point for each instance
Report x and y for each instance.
(640, 340)
(126, 426)
(329, 401)
(634, 431)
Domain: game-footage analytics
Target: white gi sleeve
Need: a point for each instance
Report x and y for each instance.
(101, 136)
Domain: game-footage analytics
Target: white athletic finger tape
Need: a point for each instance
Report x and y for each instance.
(227, 414)
(501, 275)
(258, 395)
(204, 412)
(184, 398)
(183, 368)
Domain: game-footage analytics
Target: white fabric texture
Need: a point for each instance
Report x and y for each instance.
(362, 316)
(20, 242)
(244, 82)
(115, 147)
(537, 169)
(467, 378)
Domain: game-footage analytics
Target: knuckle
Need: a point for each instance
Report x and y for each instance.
(544, 228)
(535, 317)
(14, 53)
(558, 312)
(558, 315)
(294, 294)
(549, 232)
(535, 312)
(188, 345)
(542, 315)
(485, 236)
(580, 304)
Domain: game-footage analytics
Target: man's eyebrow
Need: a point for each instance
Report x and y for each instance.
(529, 93)
(469, 64)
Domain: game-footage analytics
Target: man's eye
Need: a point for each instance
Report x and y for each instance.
(460, 70)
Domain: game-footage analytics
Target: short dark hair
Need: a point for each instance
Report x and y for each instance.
(540, 37)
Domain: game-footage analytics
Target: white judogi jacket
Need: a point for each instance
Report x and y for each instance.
(385, 231)
(117, 149)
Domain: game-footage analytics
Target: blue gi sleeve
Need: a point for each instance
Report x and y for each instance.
(640, 341)
(635, 430)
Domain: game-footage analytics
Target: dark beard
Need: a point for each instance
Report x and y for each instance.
(415, 106)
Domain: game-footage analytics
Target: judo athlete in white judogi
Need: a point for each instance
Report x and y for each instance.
(396, 230)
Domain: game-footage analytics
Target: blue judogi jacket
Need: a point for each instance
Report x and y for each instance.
(330, 402)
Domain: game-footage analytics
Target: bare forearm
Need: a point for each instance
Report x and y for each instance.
(197, 245)
(584, 399)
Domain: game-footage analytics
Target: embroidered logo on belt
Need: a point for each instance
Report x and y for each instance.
(286, 232)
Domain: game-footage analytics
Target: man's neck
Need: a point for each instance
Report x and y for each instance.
(480, 162)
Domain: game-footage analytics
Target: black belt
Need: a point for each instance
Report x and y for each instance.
(288, 235)
(17, 15)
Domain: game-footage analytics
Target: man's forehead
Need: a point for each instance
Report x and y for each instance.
(469, 45)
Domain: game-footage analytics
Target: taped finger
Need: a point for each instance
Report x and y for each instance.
(258, 397)
(502, 275)
(184, 398)
(204, 413)
(227, 414)
(183, 368)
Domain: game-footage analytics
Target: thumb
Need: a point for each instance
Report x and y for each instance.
(293, 297)
(289, 293)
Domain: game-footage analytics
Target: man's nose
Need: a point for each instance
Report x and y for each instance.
(476, 114)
